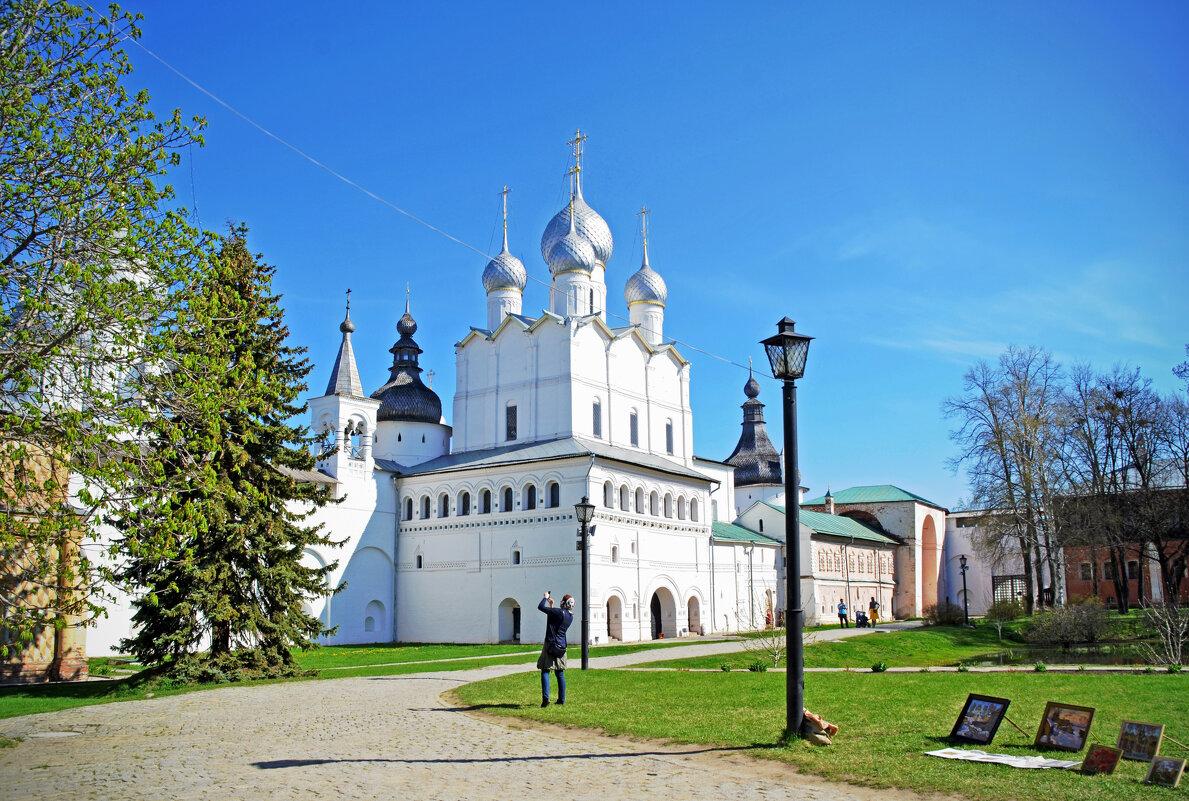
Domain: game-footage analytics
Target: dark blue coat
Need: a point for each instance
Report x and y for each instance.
(555, 628)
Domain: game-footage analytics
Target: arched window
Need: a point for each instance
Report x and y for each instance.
(464, 504)
(608, 494)
(443, 505)
(353, 439)
(507, 493)
(634, 428)
(408, 508)
(530, 497)
(516, 556)
(420, 562)
(669, 437)
(761, 525)
(668, 505)
(424, 507)
(623, 497)
(614, 553)
(510, 422)
(821, 562)
(554, 495)
(597, 418)
(485, 502)
(681, 508)
(654, 504)
(639, 500)
(693, 509)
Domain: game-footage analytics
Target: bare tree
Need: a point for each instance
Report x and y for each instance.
(1009, 422)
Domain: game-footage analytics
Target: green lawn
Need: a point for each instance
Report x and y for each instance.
(887, 722)
(924, 647)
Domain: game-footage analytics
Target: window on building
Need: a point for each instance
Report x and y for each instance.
(424, 507)
(632, 547)
(1133, 570)
(681, 508)
(614, 553)
(464, 504)
(634, 428)
(554, 495)
(516, 556)
(761, 525)
(597, 421)
(530, 498)
(654, 504)
(1084, 572)
(507, 507)
(668, 505)
(443, 505)
(510, 422)
(639, 500)
(623, 497)
(1007, 588)
(485, 502)
(669, 437)
(693, 509)
(608, 494)
(1108, 571)
(408, 508)
(420, 561)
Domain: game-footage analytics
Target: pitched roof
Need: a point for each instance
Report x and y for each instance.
(877, 493)
(522, 452)
(838, 525)
(733, 533)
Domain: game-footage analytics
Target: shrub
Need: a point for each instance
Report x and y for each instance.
(1085, 622)
(239, 666)
(725, 667)
(758, 667)
(1174, 668)
(944, 614)
(1170, 623)
(1040, 667)
(879, 667)
(1001, 612)
(963, 668)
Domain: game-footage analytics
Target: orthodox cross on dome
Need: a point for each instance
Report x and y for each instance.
(576, 150)
(406, 297)
(643, 215)
(430, 374)
(348, 300)
(504, 194)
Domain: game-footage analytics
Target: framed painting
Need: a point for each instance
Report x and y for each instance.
(1165, 771)
(1101, 759)
(1140, 741)
(979, 719)
(1064, 727)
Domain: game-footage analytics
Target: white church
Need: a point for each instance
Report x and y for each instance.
(549, 410)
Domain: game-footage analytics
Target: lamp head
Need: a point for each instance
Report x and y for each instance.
(584, 510)
(787, 351)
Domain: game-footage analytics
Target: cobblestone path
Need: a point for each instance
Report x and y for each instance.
(382, 737)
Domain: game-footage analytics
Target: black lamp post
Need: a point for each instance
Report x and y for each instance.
(787, 352)
(585, 513)
(965, 595)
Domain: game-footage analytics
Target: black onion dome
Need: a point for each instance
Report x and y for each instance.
(755, 458)
(405, 397)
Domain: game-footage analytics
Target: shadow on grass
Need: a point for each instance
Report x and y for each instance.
(278, 764)
(471, 708)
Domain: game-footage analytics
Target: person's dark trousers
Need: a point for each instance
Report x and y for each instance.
(561, 686)
(843, 620)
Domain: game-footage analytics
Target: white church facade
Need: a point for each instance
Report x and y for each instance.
(450, 531)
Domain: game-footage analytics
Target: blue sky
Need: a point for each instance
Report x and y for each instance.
(918, 185)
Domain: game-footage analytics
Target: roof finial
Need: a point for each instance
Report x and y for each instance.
(576, 150)
(750, 373)
(346, 326)
(504, 193)
(643, 214)
(348, 301)
(406, 297)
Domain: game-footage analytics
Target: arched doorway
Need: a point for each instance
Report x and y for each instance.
(929, 558)
(614, 618)
(509, 620)
(694, 612)
(663, 611)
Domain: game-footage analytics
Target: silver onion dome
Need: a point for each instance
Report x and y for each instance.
(645, 285)
(572, 253)
(505, 271)
(587, 223)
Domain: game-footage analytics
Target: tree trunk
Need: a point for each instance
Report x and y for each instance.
(1029, 596)
(1122, 591)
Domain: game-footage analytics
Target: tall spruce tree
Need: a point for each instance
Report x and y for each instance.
(242, 527)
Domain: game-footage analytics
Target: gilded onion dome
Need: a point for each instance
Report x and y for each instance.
(645, 285)
(587, 224)
(572, 252)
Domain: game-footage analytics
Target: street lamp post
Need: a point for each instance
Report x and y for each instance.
(787, 352)
(585, 512)
(965, 595)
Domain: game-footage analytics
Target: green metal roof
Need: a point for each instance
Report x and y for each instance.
(839, 526)
(878, 493)
(729, 532)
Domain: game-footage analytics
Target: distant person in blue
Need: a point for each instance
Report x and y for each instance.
(842, 618)
(553, 652)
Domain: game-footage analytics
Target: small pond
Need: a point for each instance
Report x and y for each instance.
(1103, 654)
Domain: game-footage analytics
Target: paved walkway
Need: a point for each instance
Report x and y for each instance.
(365, 738)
